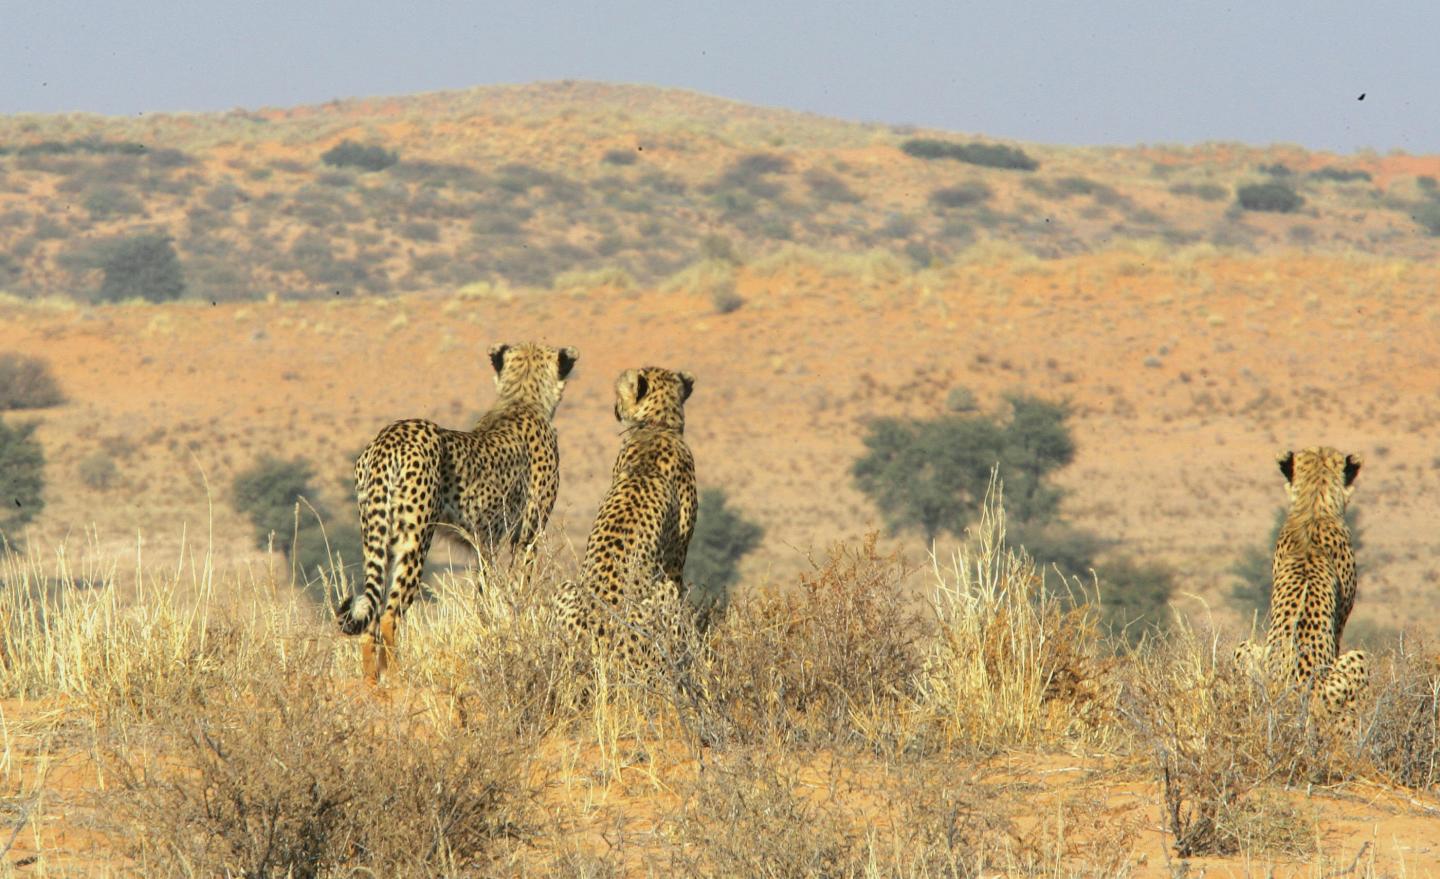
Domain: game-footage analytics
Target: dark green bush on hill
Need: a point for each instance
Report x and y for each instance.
(961, 195)
(1340, 175)
(1272, 197)
(27, 383)
(141, 267)
(989, 155)
(22, 479)
(1428, 216)
(366, 157)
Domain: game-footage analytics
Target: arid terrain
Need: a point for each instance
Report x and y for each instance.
(807, 273)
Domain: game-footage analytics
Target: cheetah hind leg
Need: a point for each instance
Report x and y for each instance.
(1348, 679)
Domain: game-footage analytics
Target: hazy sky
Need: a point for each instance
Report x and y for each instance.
(1105, 71)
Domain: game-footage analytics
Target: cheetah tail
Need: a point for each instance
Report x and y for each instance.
(355, 616)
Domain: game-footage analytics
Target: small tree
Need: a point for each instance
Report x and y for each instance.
(269, 492)
(27, 383)
(141, 267)
(22, 478)
(721, 539)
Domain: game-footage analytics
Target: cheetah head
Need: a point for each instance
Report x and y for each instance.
(533, 372)
(652, 396)
(1319, 475)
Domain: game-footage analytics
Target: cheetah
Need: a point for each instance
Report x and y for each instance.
(497, 482)
(1314, 585)
(630, 586)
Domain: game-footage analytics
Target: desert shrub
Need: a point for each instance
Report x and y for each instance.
(619, 157)
(961, 195)
(27, 383)
(1401, 733)
(1272, 197)
(108, 202)
(1217, 739)
(366, 157)
(1202, 191)
(224, 196)
(98, 471)
(419, 230)
(22, 479)
(141, 266)
(751, 175)
(721, 539)
(990, 155)
(1340, 175)
(1428, 216)
(518, 178)
(829, 661)
(725, 297)
(10, 270)
(1276, 169)
(828, 187)
(270, 494)
(1252, 570)
(292, 778)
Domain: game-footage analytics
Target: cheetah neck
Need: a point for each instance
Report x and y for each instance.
(1311, 511)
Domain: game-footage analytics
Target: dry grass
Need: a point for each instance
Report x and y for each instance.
(834, 729)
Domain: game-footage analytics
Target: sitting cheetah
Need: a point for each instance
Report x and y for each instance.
(630, 584)
(497, 482)
(1314, 585)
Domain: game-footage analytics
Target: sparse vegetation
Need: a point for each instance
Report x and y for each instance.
(961, 195)
(98, 471)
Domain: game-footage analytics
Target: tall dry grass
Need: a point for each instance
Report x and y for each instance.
(837, 727)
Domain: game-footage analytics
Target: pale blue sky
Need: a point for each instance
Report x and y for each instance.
(1106, 71)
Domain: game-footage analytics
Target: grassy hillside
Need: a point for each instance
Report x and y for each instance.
(572, 183)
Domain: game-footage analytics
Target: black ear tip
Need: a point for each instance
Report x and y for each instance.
(1287, 465)
(688, 381)
(567, 358)
(497, 356)
(642, 385)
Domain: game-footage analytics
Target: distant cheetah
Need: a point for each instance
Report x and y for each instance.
(1314, 585)
(498, 482)
(630, 587)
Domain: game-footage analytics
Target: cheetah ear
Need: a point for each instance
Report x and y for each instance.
(687, 384)
(1352, 468)
(567, 358)
(497, 356)
(642, 386)
(1287, 465)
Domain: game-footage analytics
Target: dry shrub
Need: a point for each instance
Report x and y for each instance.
(1400, 735)
(1218, 738)
(834, 660)
(294, 777)
(1010, 663)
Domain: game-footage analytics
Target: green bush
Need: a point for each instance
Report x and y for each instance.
(619, 157)
(141, 267)
(22, 479)
(1278, 169)
(107, 202)
(1271, 197)
(1340, 175)
(989, 155)
(933, 474)
(366, 157)
(961, 195)
(721, 539)
(1428, 216)
(751, 174)
(1202, 191)
(825, 186)
(27, 383)
(269, 494)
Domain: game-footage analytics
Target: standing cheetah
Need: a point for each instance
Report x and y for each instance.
(498, 482)
(630, 584)
(1314, 585)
